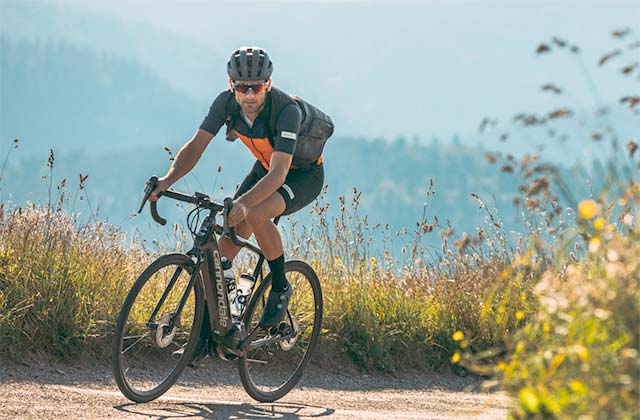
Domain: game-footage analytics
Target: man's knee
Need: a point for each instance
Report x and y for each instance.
(256, 216)
(243, 230)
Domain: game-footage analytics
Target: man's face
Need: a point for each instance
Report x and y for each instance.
(250, 95)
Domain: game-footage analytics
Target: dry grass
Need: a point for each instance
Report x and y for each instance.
(61, 285)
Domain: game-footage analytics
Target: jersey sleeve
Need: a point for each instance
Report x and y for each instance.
(287, 129)
(216, 116)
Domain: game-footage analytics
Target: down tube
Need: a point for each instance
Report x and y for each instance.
(216, 291)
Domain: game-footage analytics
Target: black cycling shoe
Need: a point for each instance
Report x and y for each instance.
(276, 307)
(199, 353)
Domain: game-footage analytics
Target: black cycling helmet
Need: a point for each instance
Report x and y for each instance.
(249, 63)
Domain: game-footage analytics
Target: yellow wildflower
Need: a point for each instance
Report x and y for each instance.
(529, 400)
(582, 352)
(502, 366)
(578, 387)
(556, 361)
(455, 358)
(599, 223)
(373, 260)
(587, 208)
(458, 335)
(519, 315)
(594, 244)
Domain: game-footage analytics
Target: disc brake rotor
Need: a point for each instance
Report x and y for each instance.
(162, 338)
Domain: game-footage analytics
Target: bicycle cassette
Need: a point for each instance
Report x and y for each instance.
(288, 344)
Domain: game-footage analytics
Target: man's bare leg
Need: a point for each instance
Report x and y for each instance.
(227, 247)
(266, 232)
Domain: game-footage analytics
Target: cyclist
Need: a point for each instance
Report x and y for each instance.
(275, 185)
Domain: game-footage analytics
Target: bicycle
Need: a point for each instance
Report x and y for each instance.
(164, 311)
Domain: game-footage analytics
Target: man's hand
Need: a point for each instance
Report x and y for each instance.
(236, 215)
(163, 185)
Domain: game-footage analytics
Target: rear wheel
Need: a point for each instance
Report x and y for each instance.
(269, 372)
(144, 365)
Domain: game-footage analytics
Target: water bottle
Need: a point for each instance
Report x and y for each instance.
(244, 289)
(229, 279)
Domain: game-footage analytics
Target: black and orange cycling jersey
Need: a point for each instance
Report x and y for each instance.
(258, 136)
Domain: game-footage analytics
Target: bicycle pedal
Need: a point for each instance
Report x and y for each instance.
(281, 329)
(284, 328)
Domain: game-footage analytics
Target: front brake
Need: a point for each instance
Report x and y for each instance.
(151, 185)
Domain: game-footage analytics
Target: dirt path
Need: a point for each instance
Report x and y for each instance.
(214, 392)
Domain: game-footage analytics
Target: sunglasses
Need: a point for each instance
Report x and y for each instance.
(256, 88)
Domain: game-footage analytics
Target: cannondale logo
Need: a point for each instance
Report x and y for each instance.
(223, 310)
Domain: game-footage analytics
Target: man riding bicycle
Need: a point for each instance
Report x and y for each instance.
(268, 122)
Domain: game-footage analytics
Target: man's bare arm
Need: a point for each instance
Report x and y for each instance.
(188, 156)
(185, 160)
(278, 170)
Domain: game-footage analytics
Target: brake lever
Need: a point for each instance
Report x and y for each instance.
(151, 185)
(228, 205)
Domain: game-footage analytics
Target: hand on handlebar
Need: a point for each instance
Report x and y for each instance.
(163, 185)
(236, 215)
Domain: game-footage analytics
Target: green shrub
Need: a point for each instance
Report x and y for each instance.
(578, 355)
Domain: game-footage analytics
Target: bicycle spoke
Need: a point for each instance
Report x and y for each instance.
(270, 370)
(136, 342)
(145, 366)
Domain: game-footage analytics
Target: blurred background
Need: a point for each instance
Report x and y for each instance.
(418, 91)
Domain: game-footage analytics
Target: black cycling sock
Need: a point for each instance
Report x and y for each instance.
(278, 281)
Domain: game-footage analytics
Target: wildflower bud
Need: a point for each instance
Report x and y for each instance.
(587, 208)
(599, 223)
(594, 244)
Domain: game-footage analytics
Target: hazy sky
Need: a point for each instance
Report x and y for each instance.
(411, 68)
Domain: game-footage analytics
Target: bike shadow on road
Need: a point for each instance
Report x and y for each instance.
(227, 410)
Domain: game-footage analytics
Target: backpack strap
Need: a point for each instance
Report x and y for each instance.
(231, 112)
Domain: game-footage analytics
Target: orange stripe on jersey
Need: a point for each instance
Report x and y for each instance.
(262, 150)
(259, 147)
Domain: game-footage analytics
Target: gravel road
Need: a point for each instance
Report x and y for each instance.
(56, 391)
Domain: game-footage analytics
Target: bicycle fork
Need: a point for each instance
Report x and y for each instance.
(151, 323)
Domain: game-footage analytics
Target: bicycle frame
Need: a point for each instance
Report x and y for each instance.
(207, 254)
(208, 262)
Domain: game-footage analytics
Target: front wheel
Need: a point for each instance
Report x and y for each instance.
(269, 372)
(162, 313)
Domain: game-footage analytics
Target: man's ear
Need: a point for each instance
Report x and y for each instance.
(269, 82)
(231, 85)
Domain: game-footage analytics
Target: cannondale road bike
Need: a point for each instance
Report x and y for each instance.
(164, 312)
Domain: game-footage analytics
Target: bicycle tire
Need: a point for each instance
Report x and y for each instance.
(119, 364)
(297, 307)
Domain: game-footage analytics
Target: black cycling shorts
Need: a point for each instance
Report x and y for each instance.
(301, 186)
